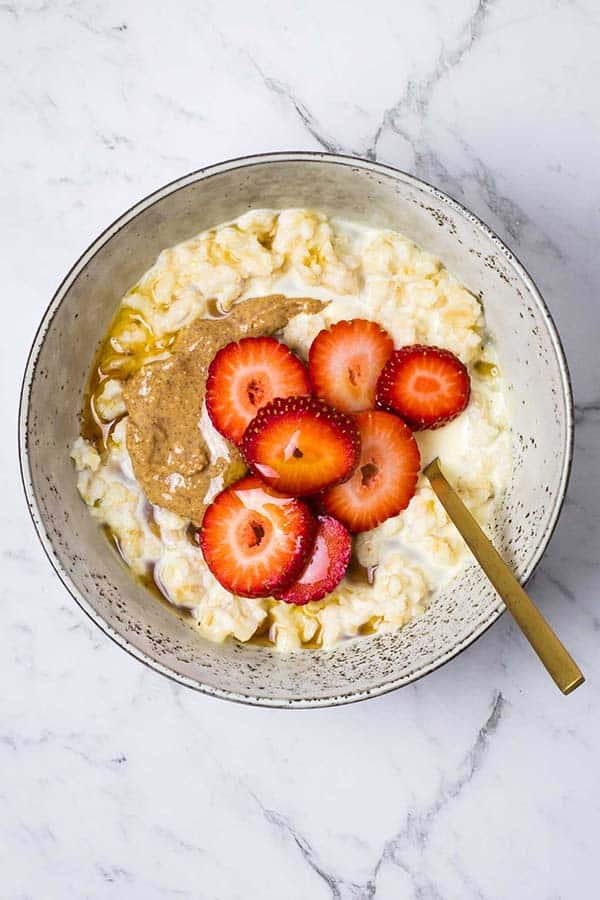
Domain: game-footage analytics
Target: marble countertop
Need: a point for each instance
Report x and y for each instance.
(480, 781)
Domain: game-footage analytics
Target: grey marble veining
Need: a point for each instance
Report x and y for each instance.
(480, 781)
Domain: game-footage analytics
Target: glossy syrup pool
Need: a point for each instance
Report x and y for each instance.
(119, 360)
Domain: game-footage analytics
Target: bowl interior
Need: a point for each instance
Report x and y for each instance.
(529, 354)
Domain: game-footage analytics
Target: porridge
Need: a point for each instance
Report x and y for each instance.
(150, 461)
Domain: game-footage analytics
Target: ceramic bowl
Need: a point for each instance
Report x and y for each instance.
(530, 355)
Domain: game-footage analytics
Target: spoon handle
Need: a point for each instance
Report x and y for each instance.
(557, 660)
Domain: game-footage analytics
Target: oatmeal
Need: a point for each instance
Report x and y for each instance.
(147, 469)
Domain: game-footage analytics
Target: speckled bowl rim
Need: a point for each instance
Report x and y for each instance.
(114, 228)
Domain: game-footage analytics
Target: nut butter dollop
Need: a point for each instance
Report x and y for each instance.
(170, 456)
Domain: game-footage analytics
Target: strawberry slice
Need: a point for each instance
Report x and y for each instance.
(300, 445)
(345, 362)
(427, 386)
(326, 565)
(246, 375)
(254, 541)
(385, 478)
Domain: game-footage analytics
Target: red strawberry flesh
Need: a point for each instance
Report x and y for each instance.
(254, 541)
(326, 565)
(345, 362)
(247, 374)
(427, 386)
(300, 445)
(386, 476)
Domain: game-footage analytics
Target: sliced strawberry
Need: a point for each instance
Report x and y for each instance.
(246, 375)
(254, 541)
(385, 478)
(326, 565)
(427, 386)
(300, 445)
(345, 362)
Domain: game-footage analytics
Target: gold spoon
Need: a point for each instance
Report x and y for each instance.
(558, 661)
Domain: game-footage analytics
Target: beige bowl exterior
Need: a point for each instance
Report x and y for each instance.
(530, 355)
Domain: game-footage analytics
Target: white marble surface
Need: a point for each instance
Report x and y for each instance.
(480, 781)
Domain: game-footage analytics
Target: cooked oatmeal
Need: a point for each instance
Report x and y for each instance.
(212, 285)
